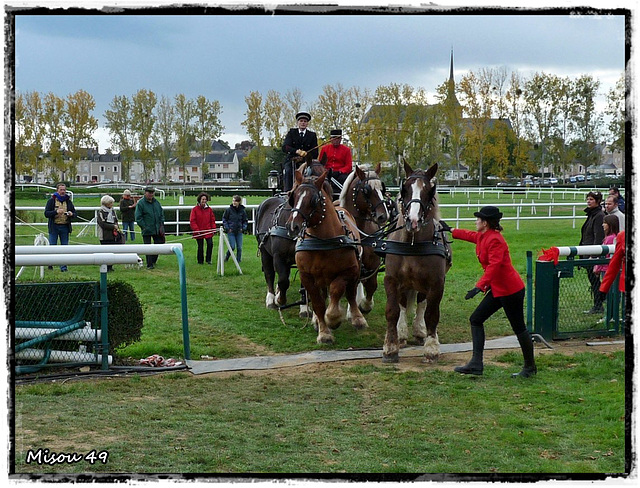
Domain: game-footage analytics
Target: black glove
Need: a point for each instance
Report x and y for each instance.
(472, 293)
(444, 226)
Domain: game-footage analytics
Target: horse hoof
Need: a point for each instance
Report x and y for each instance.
(419, 341)
(391, 358)
(334, 326)
(360, 324)
(402, 343)
(325, 339)
(305, 314)
(364, 310)
(431, 358)
(272, 306)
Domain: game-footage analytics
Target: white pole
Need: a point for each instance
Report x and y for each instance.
(74, 259)
(98, 248)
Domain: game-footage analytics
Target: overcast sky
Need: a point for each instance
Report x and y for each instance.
(225, 57)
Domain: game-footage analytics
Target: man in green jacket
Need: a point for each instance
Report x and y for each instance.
(150, 218)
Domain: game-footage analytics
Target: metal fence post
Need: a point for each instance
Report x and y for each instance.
(529, 290)
(546, 301)
(104, 320)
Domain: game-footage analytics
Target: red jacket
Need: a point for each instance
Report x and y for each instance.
(338, 158)
(493, 254)
(203, 222)
(616, 264)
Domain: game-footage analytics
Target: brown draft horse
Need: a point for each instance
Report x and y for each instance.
(363, 195)
(327, 253)
(417, 260)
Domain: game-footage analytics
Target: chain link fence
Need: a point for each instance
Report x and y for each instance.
(57, 324)
(564, 303)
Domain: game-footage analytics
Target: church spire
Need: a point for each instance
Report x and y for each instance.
(451, 69)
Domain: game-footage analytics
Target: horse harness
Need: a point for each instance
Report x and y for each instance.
(363, 186)
(425, 207)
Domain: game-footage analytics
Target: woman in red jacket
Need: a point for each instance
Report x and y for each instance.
(502, 286)
(203, 225)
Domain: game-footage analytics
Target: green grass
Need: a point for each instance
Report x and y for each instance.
(366, 419)
(370, 419)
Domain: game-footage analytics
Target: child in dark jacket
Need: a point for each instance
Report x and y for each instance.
(235, 222)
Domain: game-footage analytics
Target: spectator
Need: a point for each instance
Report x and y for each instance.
(150, 218)
(611, 207)
(592, 233)
(297, 143)
(108, 229)
(610, 225)
(128, 213)
(503, 288)
(203, 225)
(60, 210)
(339, 159)
(617, 264)
(235, 222)
(616, 192)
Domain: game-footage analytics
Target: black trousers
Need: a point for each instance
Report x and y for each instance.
(513, 307)
(201, 250)
(157, 239)
(594, 281)
(287, 176)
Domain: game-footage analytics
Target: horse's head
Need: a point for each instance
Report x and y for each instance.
(308, 203)
(368, 194)
(313, 167)
(417, 197)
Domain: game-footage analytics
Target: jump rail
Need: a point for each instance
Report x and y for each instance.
(95, 254)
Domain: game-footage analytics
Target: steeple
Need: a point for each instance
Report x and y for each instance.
(451, 69)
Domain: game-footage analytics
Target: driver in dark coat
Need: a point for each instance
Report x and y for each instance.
(298, 142)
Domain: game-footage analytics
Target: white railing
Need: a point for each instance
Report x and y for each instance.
(174, 209)
(524, 211)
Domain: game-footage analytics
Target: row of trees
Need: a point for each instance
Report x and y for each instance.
(495, 122)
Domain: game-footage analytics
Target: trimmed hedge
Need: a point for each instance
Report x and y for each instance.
(125, 315)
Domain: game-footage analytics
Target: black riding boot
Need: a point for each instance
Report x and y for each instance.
(526, 344)
(474, 366)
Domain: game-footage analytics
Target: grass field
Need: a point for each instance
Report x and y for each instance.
(345, 419)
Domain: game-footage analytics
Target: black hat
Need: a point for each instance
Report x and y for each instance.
(335, 133)
(150, 189)
(303, 115)
(489, 213)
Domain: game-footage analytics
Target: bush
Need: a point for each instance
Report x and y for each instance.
(125, 315)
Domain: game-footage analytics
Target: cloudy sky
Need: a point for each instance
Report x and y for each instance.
(224, 57)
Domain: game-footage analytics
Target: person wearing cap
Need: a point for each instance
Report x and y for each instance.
(592, 233)
(339, 159)
(150, 218)
(59, 210)
(128, 214)
(502, 287)
(297, 143)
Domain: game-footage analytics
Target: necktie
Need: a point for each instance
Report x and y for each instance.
(301, 134)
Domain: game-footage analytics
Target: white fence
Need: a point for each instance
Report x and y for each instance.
(524, 211)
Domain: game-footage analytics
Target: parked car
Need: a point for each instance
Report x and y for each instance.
(579, 177)
(553, 181)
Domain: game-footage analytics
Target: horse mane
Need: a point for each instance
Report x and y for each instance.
(345, 188)
(371, 175)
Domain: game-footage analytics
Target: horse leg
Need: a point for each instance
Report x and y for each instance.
(356, 317)
(269, 276)
(432, 317)
(366, 289)
(406, 302)
(317, 297)
(335, 314)
(419, 325)
(391, 349)
(283, 281)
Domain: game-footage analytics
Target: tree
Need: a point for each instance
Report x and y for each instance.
(542, 105)
(585, 121)
(54, 107)
(254, 123)
(207, 126)
(183, 128)
(165, 122)
(293, 104)
(142, 121)
(452, 135)
(514, 98)
(615, 109)
(79, 128)
(357, 102)
(478, 104)
(274, 118)
(119, 121)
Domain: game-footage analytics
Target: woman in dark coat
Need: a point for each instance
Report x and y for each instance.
(503, 288)
(593, 234)
(235, 222)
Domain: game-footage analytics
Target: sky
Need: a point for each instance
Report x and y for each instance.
(228, 55)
